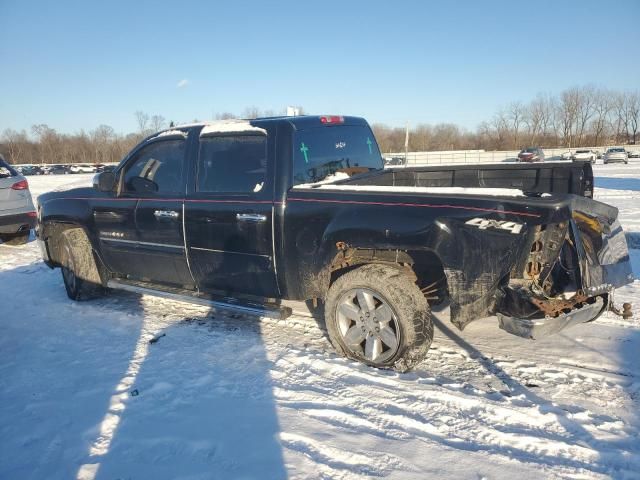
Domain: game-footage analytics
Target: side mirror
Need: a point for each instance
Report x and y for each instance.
(104, 181)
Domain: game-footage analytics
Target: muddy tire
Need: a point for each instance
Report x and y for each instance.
(377, 315)
(16, 239)
(79, 270)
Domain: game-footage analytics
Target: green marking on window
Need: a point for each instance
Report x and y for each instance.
(369, 142)
(305, 151)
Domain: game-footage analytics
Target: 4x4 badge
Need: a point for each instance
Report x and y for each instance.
(484, 223)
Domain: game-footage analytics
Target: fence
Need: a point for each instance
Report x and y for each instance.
(479, 156)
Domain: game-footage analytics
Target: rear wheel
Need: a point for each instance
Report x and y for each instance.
(79, 269)
(377, 315)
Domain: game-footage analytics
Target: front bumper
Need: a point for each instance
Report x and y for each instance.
(542, 327)
(17, 223)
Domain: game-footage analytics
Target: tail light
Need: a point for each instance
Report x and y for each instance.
(21, 185)
(332, 119)
(32, 214)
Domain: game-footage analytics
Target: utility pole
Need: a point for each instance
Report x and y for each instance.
(406, 144)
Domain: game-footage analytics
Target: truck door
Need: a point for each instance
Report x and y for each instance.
(155, 176)
(229, 215)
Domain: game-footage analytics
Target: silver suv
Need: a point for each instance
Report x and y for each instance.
(17, 214)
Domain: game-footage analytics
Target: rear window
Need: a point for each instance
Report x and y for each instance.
(232, 164)
(6, 170)
(616, 150)
(323, 151)
(583, 151)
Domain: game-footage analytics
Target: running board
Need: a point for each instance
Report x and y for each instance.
(214, 302)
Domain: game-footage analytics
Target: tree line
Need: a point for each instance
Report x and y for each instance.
(44, 145)
(578, 116)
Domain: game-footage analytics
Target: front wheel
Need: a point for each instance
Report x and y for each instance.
(79, 269)
(377, 315)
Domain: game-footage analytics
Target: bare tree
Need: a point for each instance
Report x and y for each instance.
(633, 113)
(16, 142)
(225, 116)
(515, 114)
(621, 118)
(602, 108)
(143, 122)
(251, 112)
(585, 99)
(157, 123)
(567, 112)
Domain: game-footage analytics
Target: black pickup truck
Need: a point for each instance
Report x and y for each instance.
(247, 214)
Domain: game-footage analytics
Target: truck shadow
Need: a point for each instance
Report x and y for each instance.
(201, 404)
(60, 360)
(85, 394)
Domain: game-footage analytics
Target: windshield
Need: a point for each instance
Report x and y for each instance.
(323, 151)
(616, 150)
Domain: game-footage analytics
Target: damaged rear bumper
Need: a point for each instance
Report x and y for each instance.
(541, 327)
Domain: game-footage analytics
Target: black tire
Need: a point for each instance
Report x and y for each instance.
(16, 239)
(80, 272)
(412, 322)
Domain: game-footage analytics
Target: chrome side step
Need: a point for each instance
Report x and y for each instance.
(215, 303)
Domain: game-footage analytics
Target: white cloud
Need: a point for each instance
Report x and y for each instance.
(182, 83)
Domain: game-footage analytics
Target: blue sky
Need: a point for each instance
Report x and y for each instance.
(76, 65)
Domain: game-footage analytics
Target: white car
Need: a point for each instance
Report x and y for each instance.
(615, 154)
(82, 168)
(585, 154)
(17, 214)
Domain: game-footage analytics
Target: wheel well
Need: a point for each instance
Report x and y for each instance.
(423, 265)
(54, 239)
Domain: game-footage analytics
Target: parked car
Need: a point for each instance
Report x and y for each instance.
(567, 155)
(82, 168)
(17, 214)
(615, 154)
(59, 170)
(585, 154)
(531, 154)
(633, 153)
(100, 167)
(391, 161)
(235, 214)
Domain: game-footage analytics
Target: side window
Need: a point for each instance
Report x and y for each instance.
(232, 164)
(157, 168)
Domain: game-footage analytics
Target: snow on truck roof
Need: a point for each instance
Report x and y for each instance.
(230, 126)
(214, 126)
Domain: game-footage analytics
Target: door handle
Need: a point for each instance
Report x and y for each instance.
(166, 214)
(251, 217)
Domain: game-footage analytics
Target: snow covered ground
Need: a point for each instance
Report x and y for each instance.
(84, 395)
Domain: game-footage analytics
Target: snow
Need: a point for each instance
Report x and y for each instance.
(84, 395)
(171, 133)
(230, 126)
(487, 192)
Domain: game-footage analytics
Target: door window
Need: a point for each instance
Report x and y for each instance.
(157, 168)
(232, 163)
